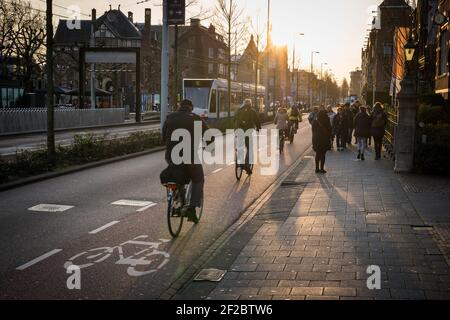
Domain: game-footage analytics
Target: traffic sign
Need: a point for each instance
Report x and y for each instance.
(176, 12)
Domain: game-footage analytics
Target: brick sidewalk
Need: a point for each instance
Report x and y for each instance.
(319, 233)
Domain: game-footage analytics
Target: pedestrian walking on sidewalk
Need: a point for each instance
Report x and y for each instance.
(331, 115)
(362, 125)
(349, 116)
(313, 115)
(340, 129)
(321, 136)
(378, 127)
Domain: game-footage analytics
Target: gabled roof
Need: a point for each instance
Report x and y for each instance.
(394, 3)
(64, 35)
(118, 23)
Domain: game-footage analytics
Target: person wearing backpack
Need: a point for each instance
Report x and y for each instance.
(378, 127)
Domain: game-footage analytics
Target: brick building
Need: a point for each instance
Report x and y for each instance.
(442, 53)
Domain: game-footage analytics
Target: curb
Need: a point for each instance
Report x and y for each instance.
(50, 175)
(249, 213)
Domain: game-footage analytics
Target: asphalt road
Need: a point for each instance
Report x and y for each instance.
(35, 246)
(37, 141)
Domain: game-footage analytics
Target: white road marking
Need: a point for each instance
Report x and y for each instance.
(217, 171)
(147, 207)
(132, 203)
(38, 259)
(50, 208)
(106, 226)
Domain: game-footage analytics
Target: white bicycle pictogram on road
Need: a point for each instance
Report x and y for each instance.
(142, 263)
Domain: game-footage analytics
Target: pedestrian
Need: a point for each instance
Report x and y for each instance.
(321, 136)
(313, 115)
(331, 115)
(378, 127)
(340, 129)
(349, 116)
(362, 125)
(355, 108)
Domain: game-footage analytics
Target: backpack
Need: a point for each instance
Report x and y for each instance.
(378, 121)
(295, 112)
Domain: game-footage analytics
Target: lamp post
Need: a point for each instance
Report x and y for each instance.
(295, 72)
(406, 113)
(310, 79)
(321, 79)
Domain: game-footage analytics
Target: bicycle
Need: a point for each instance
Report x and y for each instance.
(177, 198)
(291, 131)
(239, 167)
(151, 257)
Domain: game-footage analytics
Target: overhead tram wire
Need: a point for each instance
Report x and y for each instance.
(62, 7)
(35, 9)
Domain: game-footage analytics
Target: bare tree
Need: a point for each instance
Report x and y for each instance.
(229, 22)
(22, 35)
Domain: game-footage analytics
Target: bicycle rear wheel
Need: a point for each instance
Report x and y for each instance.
(174, 215)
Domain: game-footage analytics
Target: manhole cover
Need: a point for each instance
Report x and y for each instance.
(211, 275)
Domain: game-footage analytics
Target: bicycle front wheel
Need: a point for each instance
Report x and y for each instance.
(174, 215)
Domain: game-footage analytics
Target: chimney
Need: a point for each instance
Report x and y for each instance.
(148, 21)
(130, 16)
(195, 22)
(212, 29)
(94, 15)
(148, 18)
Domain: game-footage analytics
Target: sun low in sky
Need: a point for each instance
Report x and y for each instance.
(335, 28)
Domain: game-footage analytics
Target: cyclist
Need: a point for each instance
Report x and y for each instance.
(294, 117)
(282, 122)
(184, 118)
(247, 119)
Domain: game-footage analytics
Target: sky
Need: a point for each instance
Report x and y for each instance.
(335, 28)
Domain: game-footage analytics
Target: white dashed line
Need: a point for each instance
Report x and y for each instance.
(50, 208)
(106, 226)
(132, 203)
(38, 259)
(147, 207)
(217, 171)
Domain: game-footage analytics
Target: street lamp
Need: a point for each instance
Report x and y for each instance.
(310, 78)
(410, 49)
(293, 67)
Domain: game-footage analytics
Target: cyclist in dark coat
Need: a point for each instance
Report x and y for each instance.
(185, 119)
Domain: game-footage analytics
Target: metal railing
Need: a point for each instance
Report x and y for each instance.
(391, 130)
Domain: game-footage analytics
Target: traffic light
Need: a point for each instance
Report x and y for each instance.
(176, 10)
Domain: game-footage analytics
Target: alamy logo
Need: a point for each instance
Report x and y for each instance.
(374, 280)
(74, 22)
(236, 145)
(74, 280)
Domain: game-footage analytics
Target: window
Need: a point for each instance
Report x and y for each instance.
(190, 52)
(221, 53)
(210, 67)
(387, 49)
(213, 103)
(443, 53)
(221, 68)
(211, 53)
